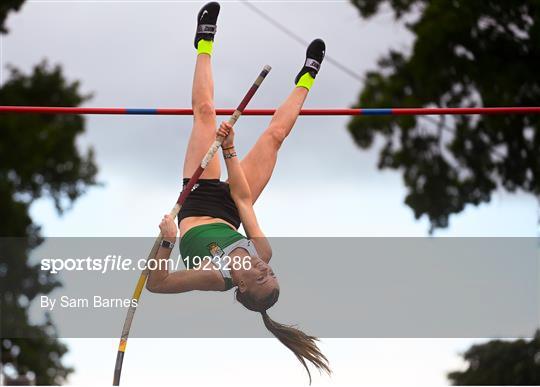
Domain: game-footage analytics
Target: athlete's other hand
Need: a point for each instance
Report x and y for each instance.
(226, 131)
(168, 228)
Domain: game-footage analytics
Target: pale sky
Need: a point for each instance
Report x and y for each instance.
(140, 54)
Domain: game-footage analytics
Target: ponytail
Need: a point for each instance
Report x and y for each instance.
(303, 346)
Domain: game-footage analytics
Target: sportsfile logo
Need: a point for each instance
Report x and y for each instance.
(109, 263)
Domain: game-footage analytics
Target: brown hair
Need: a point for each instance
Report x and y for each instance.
(303, 346)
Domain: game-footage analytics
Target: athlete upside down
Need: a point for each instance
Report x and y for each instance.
(212, 213)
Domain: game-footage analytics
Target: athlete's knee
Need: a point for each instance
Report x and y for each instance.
(275, 134)
(204, 110)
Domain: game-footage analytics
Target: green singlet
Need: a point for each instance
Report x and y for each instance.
(207, 240)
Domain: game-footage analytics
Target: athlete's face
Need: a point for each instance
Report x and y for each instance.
(260, 280)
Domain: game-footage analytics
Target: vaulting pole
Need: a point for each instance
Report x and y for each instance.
(269, 112)
(174, 212)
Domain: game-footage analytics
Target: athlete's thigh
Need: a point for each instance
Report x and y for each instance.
(202, 136)
(259, 163)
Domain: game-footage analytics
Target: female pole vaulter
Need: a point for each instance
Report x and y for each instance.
(213, 211)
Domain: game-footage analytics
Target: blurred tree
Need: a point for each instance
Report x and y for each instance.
(502, 363)
(38, 158)
(7, 6)
(465, 54)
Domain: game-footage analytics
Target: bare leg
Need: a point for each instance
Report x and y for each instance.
(204, 121)
(259, 163)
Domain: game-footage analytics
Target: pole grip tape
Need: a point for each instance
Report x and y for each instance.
(252, 90)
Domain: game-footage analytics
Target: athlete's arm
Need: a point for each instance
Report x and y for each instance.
(161, 281)
(252, 228)
(186, 280)
(241, 193)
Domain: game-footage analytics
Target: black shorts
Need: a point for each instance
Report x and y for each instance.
(210, 197)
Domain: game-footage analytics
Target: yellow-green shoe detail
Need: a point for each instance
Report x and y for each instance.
(312, 64)
(306, 81)
(204, 47)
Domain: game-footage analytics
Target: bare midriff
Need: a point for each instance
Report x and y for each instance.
(192, 221)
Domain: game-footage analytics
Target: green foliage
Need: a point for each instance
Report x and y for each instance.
(38, 158)
(465, 54)
(7, 6)
(501, 363)
(52, 165)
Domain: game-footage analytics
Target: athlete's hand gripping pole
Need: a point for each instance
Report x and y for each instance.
(174, 212)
